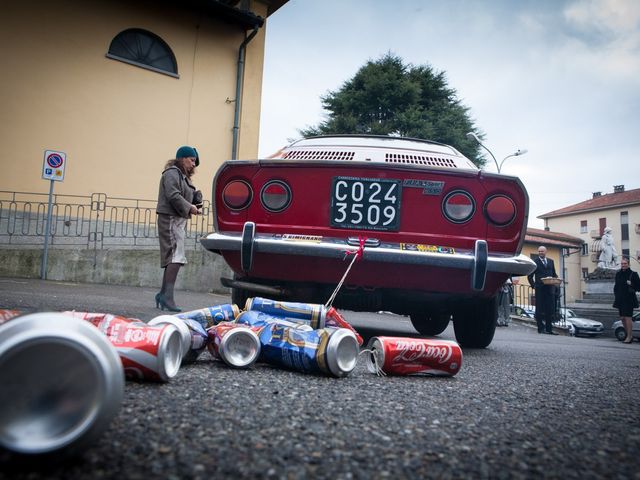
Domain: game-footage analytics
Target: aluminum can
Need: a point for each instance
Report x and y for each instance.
(185, 333)
(210, 316)
(334, 319)
(235, 344)
(198, 340)
(413, 356)
(312, 314)
(6, 315)
(61, 384)
(259, 320)
(147, 352)
(332, 351)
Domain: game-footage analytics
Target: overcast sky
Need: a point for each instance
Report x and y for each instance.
(560, 78)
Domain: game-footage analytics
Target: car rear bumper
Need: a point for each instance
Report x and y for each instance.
(477, 261)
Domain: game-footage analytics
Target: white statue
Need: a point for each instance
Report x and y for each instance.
(608, 254)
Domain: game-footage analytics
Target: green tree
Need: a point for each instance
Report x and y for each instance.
(389, 97)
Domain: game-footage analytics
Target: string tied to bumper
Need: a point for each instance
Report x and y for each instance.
(357, 255)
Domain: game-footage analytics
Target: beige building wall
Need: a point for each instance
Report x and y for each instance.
(118, 123)
(570, 225)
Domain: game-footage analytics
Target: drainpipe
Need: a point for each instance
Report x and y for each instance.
(239, 77)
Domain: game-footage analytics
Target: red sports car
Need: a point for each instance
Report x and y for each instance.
(440, 236)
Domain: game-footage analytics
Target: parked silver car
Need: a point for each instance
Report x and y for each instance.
(618, 328)
(580, 326)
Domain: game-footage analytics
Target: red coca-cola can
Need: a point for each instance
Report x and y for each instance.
(235, 344)
(147, 352)
(413, 356)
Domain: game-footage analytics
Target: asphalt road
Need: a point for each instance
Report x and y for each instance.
(529, 406)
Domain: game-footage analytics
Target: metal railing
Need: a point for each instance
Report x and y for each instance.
(524, 300)
(94, 221)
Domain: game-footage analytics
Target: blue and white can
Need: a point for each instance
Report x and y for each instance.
(199, 340)
(332, 351)
(210, 316)
(257, 319)
(309, 313)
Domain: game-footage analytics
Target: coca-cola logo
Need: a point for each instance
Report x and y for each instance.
(409, 351)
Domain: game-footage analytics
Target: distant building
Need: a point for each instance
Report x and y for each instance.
(587, 220)
(118, 86)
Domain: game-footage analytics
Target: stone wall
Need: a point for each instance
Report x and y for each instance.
(140, 268)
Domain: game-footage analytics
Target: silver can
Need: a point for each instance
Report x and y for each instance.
(235, 344)
(185, 333)
(62, 384)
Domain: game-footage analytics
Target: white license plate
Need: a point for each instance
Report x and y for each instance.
(365, 203)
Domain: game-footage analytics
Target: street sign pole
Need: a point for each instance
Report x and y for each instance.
(43, 265)
(52, 170)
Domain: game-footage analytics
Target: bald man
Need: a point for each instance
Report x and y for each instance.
(545, 294)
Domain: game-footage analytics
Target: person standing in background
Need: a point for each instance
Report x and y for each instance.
(626, 285)
(545, 294)
(505, 299)
(178, 199)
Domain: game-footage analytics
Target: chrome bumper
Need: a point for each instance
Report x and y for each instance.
(478, 261)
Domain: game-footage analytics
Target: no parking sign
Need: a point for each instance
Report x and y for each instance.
(53, 166)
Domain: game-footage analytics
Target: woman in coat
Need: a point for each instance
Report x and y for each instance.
(178, 199)
(627, 283)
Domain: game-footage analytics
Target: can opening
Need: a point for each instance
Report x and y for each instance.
(51, 392)
(241, 348)
(172, 358)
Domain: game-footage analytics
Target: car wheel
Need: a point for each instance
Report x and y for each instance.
(620, 333)
(475, 323)
(430, 325)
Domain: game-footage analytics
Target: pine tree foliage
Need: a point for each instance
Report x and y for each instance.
(389, 97)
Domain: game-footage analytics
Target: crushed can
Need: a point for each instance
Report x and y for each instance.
(235, 344)
(147, 352)
(334, 319)
(312, 314)
(61, 384)
(413, 356)
(210, 316)
(332, 351)
(198, 339)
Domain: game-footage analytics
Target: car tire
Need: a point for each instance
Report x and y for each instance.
(430, 324)
(475, 323)
(621, 334)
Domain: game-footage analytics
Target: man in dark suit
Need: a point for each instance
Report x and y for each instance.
(545, 294)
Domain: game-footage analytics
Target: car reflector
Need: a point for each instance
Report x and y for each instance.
(275, 196)
(458, 206)
(237, 195)
(500, 210)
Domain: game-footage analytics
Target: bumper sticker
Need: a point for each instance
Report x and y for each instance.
(417, 247)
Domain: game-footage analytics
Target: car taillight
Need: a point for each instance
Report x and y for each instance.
(237, 194)
(500, 210)
(458, 206)
(275, 196)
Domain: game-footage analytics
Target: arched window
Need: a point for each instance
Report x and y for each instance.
(143, 49)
